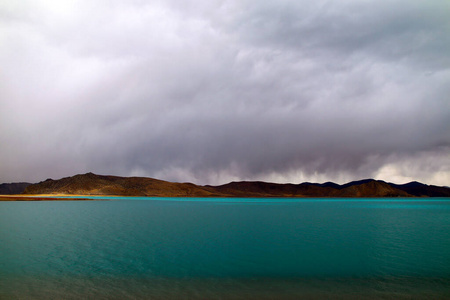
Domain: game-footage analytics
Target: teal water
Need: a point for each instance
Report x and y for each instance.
(203, 248)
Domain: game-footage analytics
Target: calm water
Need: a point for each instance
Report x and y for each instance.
(175, 248)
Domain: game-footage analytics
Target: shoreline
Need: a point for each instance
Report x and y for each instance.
(65, 197)
(43, 198)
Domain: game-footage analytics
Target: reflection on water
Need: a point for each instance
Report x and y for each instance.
(225, 248)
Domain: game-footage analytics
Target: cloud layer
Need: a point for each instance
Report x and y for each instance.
(285, 91)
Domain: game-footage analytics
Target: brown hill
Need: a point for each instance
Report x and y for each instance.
(374, 188)
(91, 184)
(266, 189)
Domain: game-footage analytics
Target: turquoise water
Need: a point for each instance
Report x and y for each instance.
(203, 248)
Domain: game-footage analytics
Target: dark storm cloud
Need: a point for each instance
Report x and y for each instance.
(390, 30)
(282, 90)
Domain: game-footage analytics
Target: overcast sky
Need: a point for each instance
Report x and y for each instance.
(214, 91)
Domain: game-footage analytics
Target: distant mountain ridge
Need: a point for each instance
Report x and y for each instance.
(13, 188)
(92, 184)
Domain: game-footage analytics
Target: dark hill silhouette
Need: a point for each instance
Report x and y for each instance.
(91, 184)
(423, 190)
(13, 188)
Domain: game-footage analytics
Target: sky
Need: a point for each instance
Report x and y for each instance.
(216, 91)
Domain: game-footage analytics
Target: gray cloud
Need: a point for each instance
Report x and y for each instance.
(229, 90)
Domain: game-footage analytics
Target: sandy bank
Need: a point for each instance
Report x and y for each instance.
(41, 198)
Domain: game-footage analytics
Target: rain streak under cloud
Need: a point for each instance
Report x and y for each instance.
(214, 91)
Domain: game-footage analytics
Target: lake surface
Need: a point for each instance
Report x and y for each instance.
(204, 248)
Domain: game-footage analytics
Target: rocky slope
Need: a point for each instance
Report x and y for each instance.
(91, 184)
